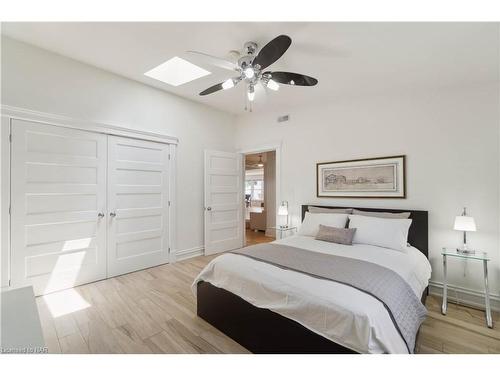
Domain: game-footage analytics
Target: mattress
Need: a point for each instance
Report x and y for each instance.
(338, 312)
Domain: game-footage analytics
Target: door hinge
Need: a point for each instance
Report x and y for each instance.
(10, 138)
(169, 203)
(168, 156)
(10, 209)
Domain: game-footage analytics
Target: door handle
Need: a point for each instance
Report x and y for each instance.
(112, 214)
(209, 208)
(100, 215)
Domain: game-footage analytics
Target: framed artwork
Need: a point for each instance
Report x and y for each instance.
(362, 178)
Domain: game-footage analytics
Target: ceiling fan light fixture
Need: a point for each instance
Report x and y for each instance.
(249, 73)
(251, 93)
(273, 85)
(228, 84)
(251, 69)
(260, 164)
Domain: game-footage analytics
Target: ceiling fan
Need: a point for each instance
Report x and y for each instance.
(251, 164)
(250, 68)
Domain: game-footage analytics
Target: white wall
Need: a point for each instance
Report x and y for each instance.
(39, 80)
(450, 137)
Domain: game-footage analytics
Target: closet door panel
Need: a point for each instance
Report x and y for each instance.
(58, 189)
(138, 198)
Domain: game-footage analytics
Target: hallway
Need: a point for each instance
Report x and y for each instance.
(253, 238)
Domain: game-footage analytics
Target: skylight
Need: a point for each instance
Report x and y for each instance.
(177, 71)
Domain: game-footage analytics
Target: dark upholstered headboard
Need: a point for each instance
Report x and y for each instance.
(418, 235)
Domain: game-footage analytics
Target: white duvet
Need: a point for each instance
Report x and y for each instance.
(338, 312)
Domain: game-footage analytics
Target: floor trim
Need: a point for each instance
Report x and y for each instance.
(189, 253)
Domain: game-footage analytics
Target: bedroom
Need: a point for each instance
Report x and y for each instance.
(123, 194)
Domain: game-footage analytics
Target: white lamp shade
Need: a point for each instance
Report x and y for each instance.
(273, 85)
(283, 210)
(465, 223)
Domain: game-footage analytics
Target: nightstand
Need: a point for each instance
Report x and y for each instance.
(284, 230)
(480, 256)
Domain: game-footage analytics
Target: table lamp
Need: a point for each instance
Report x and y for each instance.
(466, 224)
(283, 211)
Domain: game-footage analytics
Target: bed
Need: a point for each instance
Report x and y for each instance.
(272, 310)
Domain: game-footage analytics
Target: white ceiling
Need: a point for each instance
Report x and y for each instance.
(347, 58)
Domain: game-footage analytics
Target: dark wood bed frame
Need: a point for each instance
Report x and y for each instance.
(264, 331)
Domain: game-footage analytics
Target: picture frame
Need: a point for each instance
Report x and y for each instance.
(380, 177)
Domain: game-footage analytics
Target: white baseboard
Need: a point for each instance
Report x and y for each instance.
(465, 296)
(189, 253)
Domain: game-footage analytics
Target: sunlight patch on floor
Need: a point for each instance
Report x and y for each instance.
(65, 274)
(65, 302)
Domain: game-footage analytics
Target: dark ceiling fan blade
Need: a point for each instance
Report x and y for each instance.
(272, 51)
(212, 89)
(294, 79)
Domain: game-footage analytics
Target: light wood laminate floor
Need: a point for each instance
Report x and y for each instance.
(253, 238)
(154, 311)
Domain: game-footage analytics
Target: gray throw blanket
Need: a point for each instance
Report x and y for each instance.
(404, 307)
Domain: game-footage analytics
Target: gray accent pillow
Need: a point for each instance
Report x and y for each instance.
(342, 236)
(321, 210)
(382, 215)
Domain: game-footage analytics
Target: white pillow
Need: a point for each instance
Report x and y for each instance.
(310, 225)
(389, 233)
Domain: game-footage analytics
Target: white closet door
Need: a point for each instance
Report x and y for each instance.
(223, 201)
(138, 199)
(58, 186)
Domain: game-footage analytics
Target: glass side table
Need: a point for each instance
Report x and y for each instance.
(478, 255)
(283, 230)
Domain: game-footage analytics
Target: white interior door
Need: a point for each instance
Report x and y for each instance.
(138, 201)
(58, 185)
(223, 201)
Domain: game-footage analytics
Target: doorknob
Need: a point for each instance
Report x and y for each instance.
(209, 208)
(100, 214)
(112, 214)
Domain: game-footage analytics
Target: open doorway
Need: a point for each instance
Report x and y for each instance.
(260, 197)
